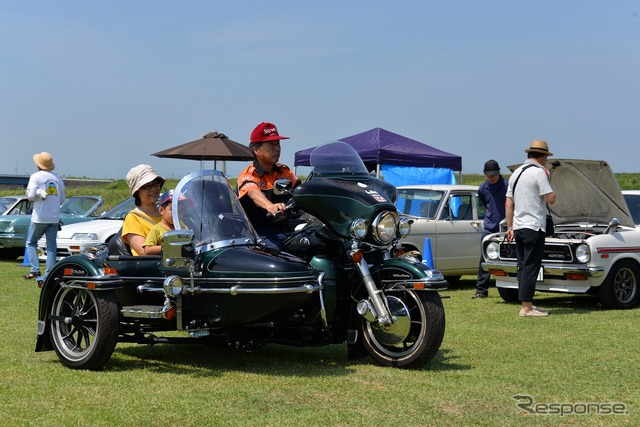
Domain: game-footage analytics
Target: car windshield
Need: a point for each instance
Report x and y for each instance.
(205, 203)
(418, 202)
(337, 159)
(80, 205)
(120, 210)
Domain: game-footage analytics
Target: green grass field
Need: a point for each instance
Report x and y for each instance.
(580, 354)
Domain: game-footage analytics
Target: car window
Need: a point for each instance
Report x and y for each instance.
(422, 203)
(633, 202)
(6, 202)
(459, 207)
(24, 207)
(480, 208)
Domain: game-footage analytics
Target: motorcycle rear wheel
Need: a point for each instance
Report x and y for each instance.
(416, 336)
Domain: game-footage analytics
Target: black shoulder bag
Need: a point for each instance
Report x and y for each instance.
(549, 227)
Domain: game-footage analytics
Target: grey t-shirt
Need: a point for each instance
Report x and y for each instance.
(530, 209)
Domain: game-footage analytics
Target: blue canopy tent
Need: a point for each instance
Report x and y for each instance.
(400, 158)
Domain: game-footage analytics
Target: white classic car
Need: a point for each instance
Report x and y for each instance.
(595, 247)
(88, 236)
(452, 217)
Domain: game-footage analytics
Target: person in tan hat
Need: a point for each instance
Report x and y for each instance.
(145, 186)
(255, 185)
(528, 195)
(46, 190)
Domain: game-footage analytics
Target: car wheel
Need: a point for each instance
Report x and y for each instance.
(509, 294)
(620, 289)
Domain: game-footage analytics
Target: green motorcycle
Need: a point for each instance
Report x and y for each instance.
(215, 283)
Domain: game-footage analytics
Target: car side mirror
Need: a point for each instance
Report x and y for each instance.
(178, 248)
(613, 226)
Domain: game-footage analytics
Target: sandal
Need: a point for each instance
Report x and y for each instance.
(30, 276)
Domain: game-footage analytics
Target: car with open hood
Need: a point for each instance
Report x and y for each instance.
(595, 247)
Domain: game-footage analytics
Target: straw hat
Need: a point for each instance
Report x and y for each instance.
(44, 161)
(538, 146)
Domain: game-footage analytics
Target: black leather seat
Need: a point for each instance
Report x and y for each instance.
(117, 246)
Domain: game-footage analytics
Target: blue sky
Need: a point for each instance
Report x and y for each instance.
(102, 85)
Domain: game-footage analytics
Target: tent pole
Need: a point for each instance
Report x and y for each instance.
(378, 170)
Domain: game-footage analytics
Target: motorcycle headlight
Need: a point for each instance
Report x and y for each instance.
(384, 227)
(493, 250)
(359, 228)
(84, 236)
(583, 254)
(404, 228)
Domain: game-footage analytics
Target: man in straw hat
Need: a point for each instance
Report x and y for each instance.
(46, 190)
(528, 194)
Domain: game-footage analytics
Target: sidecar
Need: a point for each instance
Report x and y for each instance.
(213, 282)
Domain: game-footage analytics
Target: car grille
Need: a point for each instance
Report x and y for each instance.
(552, 252)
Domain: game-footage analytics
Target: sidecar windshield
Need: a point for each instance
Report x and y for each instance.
(204, 202)
(337, 159)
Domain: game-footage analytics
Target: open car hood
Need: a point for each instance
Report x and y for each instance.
(587, 192)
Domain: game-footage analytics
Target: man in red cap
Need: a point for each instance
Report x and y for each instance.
(255, 184)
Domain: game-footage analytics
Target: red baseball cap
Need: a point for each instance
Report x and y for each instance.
(266, 132)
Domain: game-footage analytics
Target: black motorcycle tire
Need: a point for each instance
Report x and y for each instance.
(423, 335)
(84, 327)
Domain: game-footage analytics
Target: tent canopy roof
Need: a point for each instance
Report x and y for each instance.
(379, 146)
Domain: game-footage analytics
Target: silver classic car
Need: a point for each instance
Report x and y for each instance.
(595, 247)
(452, 217)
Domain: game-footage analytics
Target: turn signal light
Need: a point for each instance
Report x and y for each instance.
(357, 256)
(500, 273)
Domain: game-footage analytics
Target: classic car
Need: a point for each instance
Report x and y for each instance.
(15, 224)
(632, 197)
(595, 247)
(452, 217)
(89, 235)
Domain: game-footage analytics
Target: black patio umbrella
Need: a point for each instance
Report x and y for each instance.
(213, 146)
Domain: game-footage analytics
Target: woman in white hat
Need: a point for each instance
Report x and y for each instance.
(145, 186)
(46, 190)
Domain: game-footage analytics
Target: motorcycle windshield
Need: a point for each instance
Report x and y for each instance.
(204, 202)
(337, 160)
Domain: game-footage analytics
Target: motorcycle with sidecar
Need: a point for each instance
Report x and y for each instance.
(340, 280)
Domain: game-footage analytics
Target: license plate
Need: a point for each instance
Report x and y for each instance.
(540, 277)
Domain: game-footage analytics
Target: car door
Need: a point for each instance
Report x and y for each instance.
(458, 233)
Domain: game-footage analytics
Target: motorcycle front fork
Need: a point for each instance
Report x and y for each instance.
(374, 309)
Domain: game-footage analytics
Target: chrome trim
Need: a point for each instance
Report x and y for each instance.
(551, 269)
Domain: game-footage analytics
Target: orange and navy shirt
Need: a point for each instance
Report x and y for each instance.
(254, 176)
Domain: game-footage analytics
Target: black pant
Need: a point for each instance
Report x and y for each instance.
(529, 251)
(482, 283)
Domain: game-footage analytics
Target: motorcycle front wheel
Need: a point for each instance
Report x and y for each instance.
(416, 335)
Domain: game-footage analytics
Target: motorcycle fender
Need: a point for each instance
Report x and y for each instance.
(80, 271)
(408, 274)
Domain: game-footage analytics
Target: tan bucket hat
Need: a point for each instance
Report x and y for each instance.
(141, 175)
(538, 146)
(44, 161)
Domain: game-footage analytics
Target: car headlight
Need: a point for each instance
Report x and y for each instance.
(583, 254)
(359, 228)
(84, 236)
(405, 227)
(384, 227)
(493, 250)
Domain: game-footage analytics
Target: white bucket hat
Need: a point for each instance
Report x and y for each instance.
(141, 175)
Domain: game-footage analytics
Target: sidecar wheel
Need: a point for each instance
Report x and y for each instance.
(416, 336)
(84, 327)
